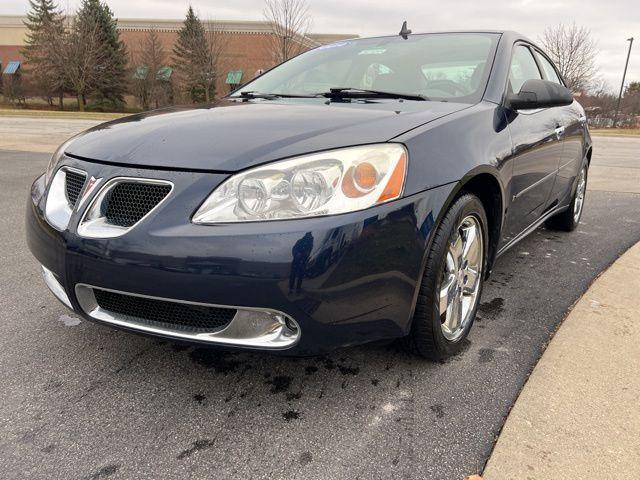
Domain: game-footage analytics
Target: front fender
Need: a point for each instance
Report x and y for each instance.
(459, 146)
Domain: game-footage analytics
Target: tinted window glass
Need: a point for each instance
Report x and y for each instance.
(523, 68)
(451, 66)
(549, 71)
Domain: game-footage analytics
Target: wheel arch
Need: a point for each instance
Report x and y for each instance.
(485, 183)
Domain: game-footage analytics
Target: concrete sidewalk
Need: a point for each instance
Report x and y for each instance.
(578, 416)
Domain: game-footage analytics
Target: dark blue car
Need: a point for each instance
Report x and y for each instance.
(360, 191)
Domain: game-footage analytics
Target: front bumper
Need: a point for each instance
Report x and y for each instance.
(359, 283)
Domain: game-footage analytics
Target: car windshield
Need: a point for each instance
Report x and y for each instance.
(439, 66)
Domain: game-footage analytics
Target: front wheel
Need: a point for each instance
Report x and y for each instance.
(452, 281)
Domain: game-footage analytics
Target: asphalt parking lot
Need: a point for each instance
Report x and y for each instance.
(83, 401)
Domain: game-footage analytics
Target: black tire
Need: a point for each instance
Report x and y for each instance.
(567, 221)
(426, 337)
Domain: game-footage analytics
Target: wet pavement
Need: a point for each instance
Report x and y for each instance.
(80, 400)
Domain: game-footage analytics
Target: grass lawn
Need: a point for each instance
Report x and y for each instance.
(14, 112)
(616, 132)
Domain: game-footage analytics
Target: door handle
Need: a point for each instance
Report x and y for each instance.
(559, 132)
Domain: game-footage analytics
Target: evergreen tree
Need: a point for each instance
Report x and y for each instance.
(632, 89)
(111, 83)
(45, 26)
(631, 99)
(193, 60)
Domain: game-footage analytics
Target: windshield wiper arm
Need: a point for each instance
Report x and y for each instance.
(252, 94)
(269, 96)
(351, 92)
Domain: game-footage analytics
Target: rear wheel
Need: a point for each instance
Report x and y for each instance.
(452, 281)
(570, 218)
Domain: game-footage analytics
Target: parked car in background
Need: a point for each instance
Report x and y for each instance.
(360, 191)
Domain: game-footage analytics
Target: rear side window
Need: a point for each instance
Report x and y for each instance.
(549, 71)
(523, 68)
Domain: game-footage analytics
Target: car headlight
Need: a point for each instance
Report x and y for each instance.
(55, 159)
(327, 183)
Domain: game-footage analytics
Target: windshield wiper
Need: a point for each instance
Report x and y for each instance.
(269, 96)
(351, 92)
(334, 93)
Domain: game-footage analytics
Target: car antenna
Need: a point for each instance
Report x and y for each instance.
(404, 31)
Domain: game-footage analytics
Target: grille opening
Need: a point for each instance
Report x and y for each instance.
(164, 313)
(128, 202)
(74, 181)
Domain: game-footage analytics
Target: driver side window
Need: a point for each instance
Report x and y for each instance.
(523, 68)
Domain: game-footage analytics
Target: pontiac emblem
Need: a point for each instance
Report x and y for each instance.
(90, 187)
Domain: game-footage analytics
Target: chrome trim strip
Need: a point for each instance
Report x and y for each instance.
(98, 227)
(566, 165)
(522, 192)
(251, 327)
(56, 287)
(530, 229)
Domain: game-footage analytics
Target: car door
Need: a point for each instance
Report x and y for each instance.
(572, 124)
(537, 149)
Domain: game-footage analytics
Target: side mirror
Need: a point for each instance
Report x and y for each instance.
(539, 94)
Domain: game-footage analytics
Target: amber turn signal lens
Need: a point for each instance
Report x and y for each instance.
(396, 182)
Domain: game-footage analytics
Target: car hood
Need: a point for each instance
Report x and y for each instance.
(233, 135)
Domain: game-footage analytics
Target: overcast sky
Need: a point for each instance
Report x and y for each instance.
(611, 22)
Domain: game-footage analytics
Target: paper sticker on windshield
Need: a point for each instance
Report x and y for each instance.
(332, 45)
(373, 51)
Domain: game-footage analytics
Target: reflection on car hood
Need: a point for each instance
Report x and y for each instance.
(230, 136)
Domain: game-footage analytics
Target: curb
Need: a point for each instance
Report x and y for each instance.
(575, 413)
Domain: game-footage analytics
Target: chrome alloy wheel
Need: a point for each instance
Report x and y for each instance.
(461, 277)
(580, 191)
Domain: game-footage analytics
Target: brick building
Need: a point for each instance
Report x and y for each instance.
(246, 43)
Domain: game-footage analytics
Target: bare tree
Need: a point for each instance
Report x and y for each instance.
(290, 21)
(217, 42)
(599, 100)
(150, 60)
(80, 54)
(574, 52)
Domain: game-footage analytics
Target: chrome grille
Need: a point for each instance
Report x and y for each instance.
(74, 181)
(120, 204)
(128, 202)
(63, 195)
(165, 314)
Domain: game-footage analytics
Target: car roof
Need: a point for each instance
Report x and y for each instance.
(506, 34)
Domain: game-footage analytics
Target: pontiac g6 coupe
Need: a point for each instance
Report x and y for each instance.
(361, 191)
